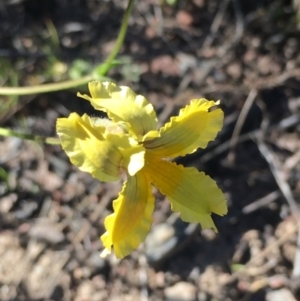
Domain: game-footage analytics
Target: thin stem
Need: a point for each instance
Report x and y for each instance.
(100, 70)
(39, 139)
(46, 87)
(103, 69)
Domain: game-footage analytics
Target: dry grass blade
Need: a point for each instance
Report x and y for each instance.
(278, 175)
(286, 191)
(239, 124)
(216, 24)
(264, 201)
(265, 252)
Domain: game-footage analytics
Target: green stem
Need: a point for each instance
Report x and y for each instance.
(100, 71)
(104, 68)
(45, 87)
(40, 139)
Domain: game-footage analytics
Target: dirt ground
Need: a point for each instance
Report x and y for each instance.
(245, 53)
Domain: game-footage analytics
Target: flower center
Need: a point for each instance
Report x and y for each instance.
(110, 127)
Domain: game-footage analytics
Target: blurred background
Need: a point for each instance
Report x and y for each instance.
(245, 53)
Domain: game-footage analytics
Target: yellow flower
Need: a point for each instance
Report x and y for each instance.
(129, 142)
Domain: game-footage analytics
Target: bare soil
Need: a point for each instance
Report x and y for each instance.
(245, 53)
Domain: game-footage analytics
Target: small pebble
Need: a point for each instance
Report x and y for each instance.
(160, 241)
(280, 295)
(7, 202)
(181, 291)
(46, 232)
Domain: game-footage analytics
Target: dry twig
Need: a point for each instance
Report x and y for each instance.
(239, 124)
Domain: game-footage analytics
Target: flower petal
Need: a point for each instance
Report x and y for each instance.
(195, 126)
(192, 193)
(132, 152)
(86, 147)
(122, 104)
(130, 223)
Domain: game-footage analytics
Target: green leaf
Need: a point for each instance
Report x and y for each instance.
(235, 267)
(3, 175)
(171, 2)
